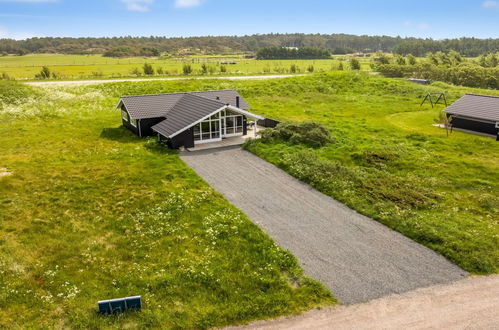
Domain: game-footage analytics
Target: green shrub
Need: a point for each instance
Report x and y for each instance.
(12, 92)
(148, 69)
(308, 133)
(354, 64)
(187, 69)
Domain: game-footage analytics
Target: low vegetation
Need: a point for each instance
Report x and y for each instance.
(89, 212)
(70, 67)
(308, 133)
(451, 67)
(387, 160)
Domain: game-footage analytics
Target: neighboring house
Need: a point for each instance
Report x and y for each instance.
(479, 113)
(187, 119)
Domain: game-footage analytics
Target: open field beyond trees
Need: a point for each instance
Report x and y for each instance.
(88, 211)
(95, 66)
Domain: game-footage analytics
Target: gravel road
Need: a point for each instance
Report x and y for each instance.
(104, 81)
(469, 304)
(358, 258)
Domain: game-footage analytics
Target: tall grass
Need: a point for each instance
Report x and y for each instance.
(92, 212)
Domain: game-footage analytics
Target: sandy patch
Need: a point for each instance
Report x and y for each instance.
(467, 304)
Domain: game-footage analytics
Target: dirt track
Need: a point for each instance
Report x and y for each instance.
(472, 303)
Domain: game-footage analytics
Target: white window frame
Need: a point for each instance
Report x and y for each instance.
(235, 127)
(124, 115)
(133, 122)
(209, 120)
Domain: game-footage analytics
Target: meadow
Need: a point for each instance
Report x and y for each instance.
(389, 162)
(88, 212)
(91, 212)
(96, 66)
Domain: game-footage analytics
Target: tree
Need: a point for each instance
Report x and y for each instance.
(340, 66)
(187, 69)
(223, 68)
(355, 64)
(293, 68)
(310, 68)
(148, 69)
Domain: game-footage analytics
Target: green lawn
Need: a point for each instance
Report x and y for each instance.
(390, 163)
(96, 66)
(92, 212)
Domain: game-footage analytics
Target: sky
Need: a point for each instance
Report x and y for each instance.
(438, 19)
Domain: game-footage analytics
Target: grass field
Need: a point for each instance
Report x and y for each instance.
(91, 66)
(390, 163)
(91, 212)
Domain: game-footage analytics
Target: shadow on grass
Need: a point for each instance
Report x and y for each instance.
(152, 145)
(119, 134)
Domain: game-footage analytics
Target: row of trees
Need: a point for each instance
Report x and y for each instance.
(130, 51)
(288, 53)
(335, 43)
(468, 74)
(470, 47)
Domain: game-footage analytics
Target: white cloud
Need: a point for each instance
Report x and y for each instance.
(423, 26)
(489, 4)
(29, 1)
(187, 3)
(6, 34)
(138, 5)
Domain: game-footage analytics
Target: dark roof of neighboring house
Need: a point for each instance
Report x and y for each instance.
(187, 111)
(159, 105)
(481, 107)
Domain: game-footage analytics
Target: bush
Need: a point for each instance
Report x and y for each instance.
(44, 73)
(309, 133)
(148, 69)
(355, 64)
(12, 92)
(187, 69)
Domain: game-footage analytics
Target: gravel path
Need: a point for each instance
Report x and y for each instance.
(469, 304)
(104, 81)
(358, 258)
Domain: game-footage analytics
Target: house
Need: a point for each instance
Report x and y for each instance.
(478, 113)
(187, 119)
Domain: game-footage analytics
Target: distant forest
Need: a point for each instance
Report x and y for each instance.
(335, 43)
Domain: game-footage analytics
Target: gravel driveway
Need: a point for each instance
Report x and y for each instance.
(358, 258)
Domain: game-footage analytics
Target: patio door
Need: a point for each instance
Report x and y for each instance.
(232, 124)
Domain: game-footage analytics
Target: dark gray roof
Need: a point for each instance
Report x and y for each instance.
(159, 105)
(481, 107)
(150, 106)
(227, 96)
(186, 112)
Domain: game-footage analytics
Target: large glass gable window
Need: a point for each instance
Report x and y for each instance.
(208, 129)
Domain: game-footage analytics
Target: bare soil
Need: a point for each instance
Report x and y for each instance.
(472, 303)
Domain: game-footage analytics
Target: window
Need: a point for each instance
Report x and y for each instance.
(208, 129)
(124, 115)
(133, 122)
